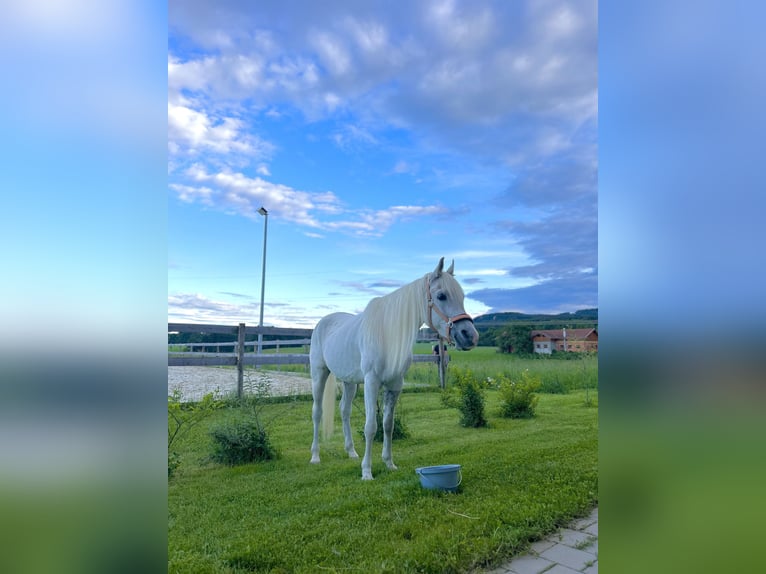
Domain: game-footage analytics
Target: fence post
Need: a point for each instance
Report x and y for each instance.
(240, 360)
(442, 365)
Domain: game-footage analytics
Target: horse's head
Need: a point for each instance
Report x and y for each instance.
(446, 314)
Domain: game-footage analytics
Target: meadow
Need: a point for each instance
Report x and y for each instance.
(521, 479)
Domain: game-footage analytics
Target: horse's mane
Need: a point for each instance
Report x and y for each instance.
(390, 324)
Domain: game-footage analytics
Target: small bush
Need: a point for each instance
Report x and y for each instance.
(241, 442)
(517, 398)
(467, 395)
(472, 407)
(184, 416)
(400, 428)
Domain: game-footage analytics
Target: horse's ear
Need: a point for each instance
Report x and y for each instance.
(451, 269)
(439, 268)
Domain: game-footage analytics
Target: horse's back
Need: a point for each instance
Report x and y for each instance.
(335, 345)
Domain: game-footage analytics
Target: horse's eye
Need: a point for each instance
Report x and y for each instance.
(441, 297)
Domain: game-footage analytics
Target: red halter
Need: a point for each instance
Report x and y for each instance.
(450, 321)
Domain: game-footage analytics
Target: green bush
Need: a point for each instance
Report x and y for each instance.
(241, 442)
(472, 407)
(182, 417)
(400, 428)
(467, 395)
(517, 398)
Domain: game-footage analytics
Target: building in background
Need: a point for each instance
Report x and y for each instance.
(566, 340)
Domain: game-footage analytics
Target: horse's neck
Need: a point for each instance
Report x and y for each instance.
(403, 310)
(416, 293)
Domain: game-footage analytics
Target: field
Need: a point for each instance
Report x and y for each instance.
(557, 375)
(521, 480)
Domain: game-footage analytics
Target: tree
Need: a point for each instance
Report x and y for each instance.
(516, 339)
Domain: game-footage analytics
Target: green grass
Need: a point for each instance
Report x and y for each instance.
(521, 480)
(556, 375)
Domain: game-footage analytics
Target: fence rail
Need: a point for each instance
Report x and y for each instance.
(239, 358)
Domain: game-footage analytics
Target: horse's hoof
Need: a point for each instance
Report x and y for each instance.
(314, 460)
(353, 455)
(367, 477)
(392, 466)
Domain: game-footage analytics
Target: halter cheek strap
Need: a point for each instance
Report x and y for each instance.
(450, 321)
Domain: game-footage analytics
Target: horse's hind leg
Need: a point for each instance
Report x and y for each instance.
(390, 398)
(349, 392)
(318, 380)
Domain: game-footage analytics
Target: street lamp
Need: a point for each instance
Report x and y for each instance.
(262, 211)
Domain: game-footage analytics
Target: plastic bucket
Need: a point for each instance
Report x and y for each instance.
(443, 477)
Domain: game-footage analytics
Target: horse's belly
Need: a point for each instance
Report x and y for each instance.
(345, 364)
(340, 347)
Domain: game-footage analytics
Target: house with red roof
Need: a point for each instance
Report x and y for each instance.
(566, 340)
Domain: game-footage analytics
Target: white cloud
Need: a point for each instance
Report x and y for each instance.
(192, 132)
(239, 194)
(563, 22)
(486, 272)
(370, 36)
(202, 309)
(403, 166)
(332, 52)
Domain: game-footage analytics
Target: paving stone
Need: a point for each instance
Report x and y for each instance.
(529, 564)
(592, 548)
(561, 569)
(576, 559)
(557, 554)
(582, 523)
(573, 538)
(541, 545)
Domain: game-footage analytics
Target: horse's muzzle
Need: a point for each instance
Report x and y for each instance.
(465, 334)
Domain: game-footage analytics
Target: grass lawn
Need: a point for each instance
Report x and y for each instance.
(521, 480)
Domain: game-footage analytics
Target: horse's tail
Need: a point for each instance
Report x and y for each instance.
(328, 407)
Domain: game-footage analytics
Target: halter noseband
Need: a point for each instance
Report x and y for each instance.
(450, 321)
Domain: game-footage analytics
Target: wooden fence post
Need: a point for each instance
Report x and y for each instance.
(443, 360)
(240, 360)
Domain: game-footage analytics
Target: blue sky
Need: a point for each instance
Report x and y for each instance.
(380, 138)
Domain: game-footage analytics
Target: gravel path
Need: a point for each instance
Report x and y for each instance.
(195, 382)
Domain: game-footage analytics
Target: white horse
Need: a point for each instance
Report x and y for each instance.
(375, 348)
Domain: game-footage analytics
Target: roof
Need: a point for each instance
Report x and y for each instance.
(558, 334)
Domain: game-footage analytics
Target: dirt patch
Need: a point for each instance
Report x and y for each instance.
(195, 382)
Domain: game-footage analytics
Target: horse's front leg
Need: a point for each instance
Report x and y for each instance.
(371, 388)
(390, 398)
(349, 392)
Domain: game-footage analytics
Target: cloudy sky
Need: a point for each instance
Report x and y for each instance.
(380, 136)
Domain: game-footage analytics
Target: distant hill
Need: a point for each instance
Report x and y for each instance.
(584, 316)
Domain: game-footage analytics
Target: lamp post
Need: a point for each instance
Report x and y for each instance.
(265, 214)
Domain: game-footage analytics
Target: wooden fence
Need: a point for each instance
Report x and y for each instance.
(239, 357)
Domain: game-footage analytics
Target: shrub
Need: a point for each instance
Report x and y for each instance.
(467, 395)
(518, 398)
(472, 406)
(400, 428)
(184, 416)
(241, 442)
